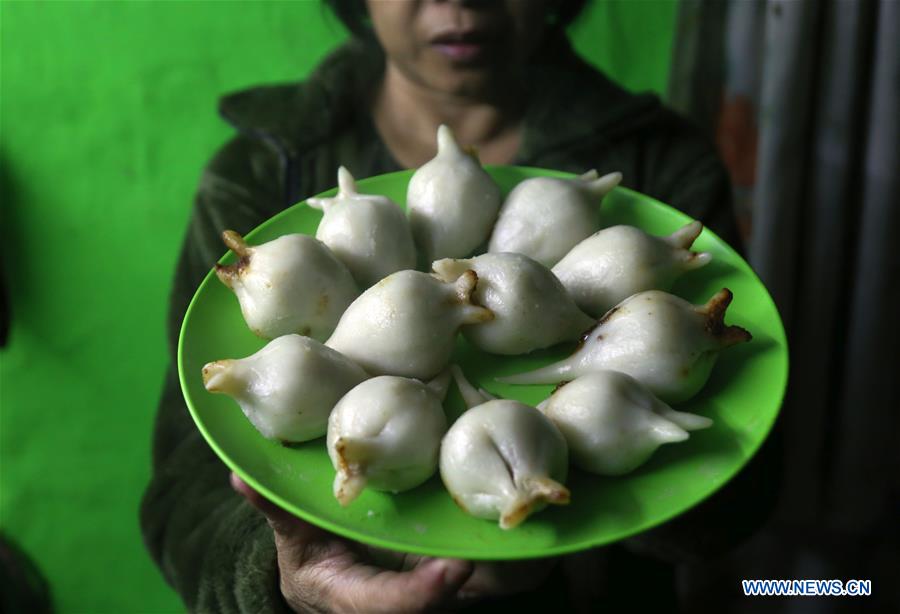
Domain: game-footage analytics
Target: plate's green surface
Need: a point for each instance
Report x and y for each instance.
(743, 397)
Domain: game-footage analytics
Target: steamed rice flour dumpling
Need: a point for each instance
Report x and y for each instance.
(293, 284)
(288, 388)
(659, 339)
(545, 217)
(407, 323)
(616, 262)
(531, 308)
(384, 434)
(452, 201)
(612, 423)
(369, 233)
(504, 460)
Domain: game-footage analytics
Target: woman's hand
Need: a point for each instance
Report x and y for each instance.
(321, 572)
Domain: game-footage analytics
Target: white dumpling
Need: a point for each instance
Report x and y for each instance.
(452, 202)
(531, 308)
(368, 233)
(288, 388)
(504, 460)
(614, 263)
(406, 324)
(545, 217)
(612, 423)
(385, 434)
(293, 284)
(659, 339)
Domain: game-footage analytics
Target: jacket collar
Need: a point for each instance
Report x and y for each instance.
(297, 116)
(570, 102)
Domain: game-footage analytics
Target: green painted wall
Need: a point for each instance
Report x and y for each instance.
(107, 114)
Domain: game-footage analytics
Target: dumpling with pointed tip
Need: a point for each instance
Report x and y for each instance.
(616, 262)
(368, 233)
(385, 434)
(504, 460)
(406, 324)
(545, 217)
(471, 396)
(532, 310)
(452, 201)
(657, 338)
(288, 388)
(293, 284)
(612, 423)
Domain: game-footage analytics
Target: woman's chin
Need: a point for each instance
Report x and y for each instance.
(475, 82)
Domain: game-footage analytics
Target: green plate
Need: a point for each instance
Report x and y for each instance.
(743, 397)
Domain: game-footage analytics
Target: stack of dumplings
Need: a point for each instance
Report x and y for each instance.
(360, 342)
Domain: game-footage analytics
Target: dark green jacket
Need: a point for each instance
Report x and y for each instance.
(214, 549)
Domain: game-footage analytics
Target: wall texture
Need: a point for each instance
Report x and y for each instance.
(107, 114)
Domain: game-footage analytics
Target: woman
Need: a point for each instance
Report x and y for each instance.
(502, 75)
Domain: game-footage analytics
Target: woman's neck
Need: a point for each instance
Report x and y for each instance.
(407, 116)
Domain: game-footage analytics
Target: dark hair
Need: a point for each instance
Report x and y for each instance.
(353, 14)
